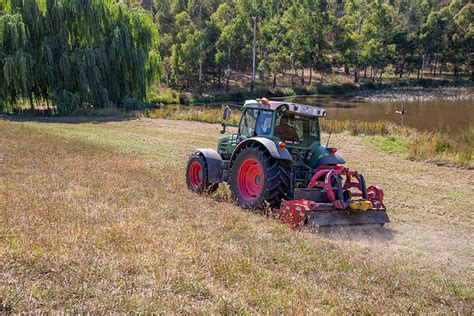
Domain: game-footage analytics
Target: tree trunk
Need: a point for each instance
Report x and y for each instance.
(422, 70)
(365, 72)
(227, 75)
(346, 69)
(200, 76)
(456, 71)
(200, 49)
(435, 64)
(356, 74)
(374, 74)
(310, 75)
(302, 74)
(32, 106)
(293, 73)
(401, 68)
(274, 80)
(254, 44)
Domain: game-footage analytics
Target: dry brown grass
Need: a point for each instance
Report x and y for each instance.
(96, 217)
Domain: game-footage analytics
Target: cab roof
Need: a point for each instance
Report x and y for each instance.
(284, 106)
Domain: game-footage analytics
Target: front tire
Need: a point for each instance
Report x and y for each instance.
(257, 177)
(197, 175)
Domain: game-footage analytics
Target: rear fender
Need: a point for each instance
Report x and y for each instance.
(273, 149)
(214, 164)
(331, 159)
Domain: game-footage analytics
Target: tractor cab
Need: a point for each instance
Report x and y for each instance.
(292, 126)
(291, 123)
(288, 127)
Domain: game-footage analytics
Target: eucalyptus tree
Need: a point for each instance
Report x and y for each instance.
(274, 56)
(463, 39)
(349, 42)
(234, 26)
(377, 34)
(185, 52)
(306, 25)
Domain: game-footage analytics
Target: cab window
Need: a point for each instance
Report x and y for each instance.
(264, 123)
(296, 129)
(247, 123)
(256, 122)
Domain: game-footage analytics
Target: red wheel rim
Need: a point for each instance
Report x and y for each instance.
(250, 179)
(195, 174)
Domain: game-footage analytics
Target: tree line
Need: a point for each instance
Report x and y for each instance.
(206, 40)
(113, 52)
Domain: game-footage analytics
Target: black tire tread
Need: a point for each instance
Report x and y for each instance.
(277, 177)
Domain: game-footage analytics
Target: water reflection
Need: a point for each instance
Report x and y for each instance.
(447, 115)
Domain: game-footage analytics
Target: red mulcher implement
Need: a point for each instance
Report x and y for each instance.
(276, 159)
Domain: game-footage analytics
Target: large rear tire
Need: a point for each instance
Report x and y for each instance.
(197, 175)
(257, 178)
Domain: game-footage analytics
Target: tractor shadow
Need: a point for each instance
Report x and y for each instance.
(364, 233)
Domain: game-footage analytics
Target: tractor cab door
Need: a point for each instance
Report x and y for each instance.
(255, 122)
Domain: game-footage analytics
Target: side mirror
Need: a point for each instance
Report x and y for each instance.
(226, 114)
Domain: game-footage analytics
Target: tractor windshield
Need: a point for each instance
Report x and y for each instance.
(297, 130)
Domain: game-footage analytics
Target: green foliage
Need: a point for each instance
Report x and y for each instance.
(164, 95)
(92, 52)
(76, 53)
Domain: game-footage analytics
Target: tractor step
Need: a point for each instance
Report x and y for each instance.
(336, 217)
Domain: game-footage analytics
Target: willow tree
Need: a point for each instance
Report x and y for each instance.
(76, 53)
(16, 63)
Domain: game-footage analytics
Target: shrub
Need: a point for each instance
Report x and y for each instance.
(164, 96)
(133, 104)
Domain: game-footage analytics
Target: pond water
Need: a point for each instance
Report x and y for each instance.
(450, 112)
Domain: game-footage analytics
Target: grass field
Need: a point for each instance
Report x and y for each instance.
(95, 216)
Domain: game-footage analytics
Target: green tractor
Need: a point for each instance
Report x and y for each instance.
(276, 160)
